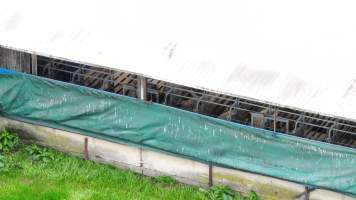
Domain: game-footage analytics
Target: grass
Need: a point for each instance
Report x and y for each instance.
(31, 172)
(71, 178)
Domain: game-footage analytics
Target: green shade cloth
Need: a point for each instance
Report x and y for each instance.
(126, 120)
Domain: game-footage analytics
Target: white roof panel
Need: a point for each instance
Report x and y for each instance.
(299, 54)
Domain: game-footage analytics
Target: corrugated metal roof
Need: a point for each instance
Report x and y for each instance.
(299, 54)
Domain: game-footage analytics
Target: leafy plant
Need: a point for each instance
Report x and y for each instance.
(252, 196)
(8, 141)
(8, 162)
(40, 153)
(166, 180)
(221, 192)
(2, 162)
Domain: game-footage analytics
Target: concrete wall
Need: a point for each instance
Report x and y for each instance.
(154, 163)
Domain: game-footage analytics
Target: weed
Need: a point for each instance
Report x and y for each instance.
(8, 162)
(38, 153)
(221, 192)
(252, 196)
(2, 162)
(166, 180)
(8, 141)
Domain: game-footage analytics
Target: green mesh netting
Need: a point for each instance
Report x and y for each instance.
(123, 119)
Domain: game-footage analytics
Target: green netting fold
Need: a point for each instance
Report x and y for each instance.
(123, 119)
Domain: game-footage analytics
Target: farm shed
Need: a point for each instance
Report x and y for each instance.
(271, 71)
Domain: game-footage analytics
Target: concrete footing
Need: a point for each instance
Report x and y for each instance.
(153, 163)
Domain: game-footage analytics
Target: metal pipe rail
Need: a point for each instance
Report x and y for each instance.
(347, 128)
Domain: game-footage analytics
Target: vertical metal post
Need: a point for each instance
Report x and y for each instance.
(300, 122)
(307, 194)
(86, 152)
(196, 109)
(210, 175)
(34, 64)
(303, 126)
(235, 104)
(141, 94)
(142, 88)
(275, 113)
(330, 133)
(287, 126)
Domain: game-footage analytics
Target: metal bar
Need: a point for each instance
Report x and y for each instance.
(75, 74)
(34, 64)
(74, 66)
(85, 75)
(86, 152)
(330, 132)
(319, 121)
(229, 99)
(275, 113)
(280, 111)
(306, 194)
(142, 88)
(210, 175)
(166, 96)
(254, 104)
(235, 104)
(196, 109)
(141, 94)
(305, 123)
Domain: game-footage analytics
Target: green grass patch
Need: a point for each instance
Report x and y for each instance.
(31, 172)
(67, 177)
